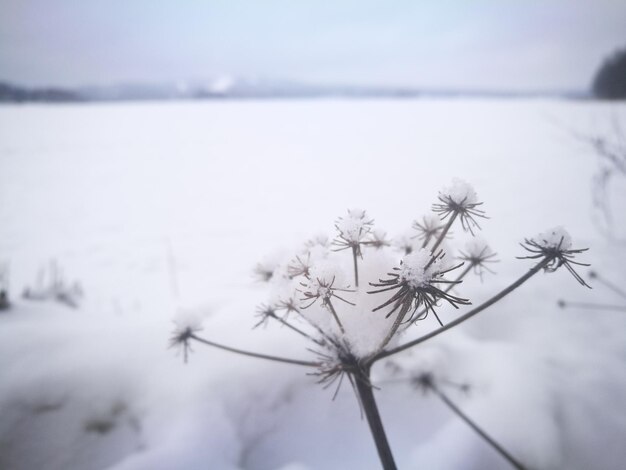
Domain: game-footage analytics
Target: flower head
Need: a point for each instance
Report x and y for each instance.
(460, 200)
(321, 288)
(354, 230)
(428, 228)
(478, 254)
(378, 239)
(405, 243)
(336, 363)
(416, 284)
(265, 312)
(187, 324)
(555, 246)
(300, 266)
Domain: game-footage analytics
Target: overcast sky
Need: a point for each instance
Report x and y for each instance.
(478, 44)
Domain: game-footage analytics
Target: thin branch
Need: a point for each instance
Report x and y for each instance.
(396, 324)
(608, 284)
(444, 232)
(355, 254)
(583, 305)
(332, 310)
(468, 315)
(253, 354)
(515, 463)
(296, 329)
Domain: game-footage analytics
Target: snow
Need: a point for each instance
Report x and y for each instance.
(417, 270)
(132, 200)
(460, 192)
(555, 238)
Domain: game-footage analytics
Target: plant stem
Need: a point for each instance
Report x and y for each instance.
(475, 427)
(468, 315)
(366, 397)
(317, 328)
(426, 241)
(332, 310)
(297, 330)
(444, 232)
(253, 354)
(396, 324)
(356, 268)
(616, 308)
(611, 286)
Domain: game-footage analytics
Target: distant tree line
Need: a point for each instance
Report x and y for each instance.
(610, 80)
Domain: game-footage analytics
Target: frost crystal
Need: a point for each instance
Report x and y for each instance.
(419, 268)
(554, 238)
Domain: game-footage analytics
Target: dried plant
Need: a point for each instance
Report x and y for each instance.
(595, 277)
(348, 337)
(353, 233)
(610, 149)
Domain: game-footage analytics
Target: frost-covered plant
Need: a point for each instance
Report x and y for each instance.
(353, 231)
(610, 149)
(51, 285)
(4, 286)
(355, 310)
(599, 279)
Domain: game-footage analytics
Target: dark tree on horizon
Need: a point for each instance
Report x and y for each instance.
(610, 80)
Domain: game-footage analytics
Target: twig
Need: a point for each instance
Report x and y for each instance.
(444, 232)
(608, 284)
(467, 316)
(615, 308)
(253, 354)
(515, 463)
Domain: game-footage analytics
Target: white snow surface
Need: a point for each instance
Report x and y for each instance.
(157, 208)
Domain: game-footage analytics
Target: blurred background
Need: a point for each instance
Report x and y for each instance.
(152, 154)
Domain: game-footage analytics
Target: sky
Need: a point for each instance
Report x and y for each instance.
(518, 45)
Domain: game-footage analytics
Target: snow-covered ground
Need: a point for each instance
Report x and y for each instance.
(157, 207)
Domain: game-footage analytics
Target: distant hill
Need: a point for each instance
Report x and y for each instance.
(230, 88)
(15, 94)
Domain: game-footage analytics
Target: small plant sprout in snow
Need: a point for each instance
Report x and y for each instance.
(352, 323)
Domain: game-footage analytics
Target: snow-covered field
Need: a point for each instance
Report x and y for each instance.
(157, 207)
